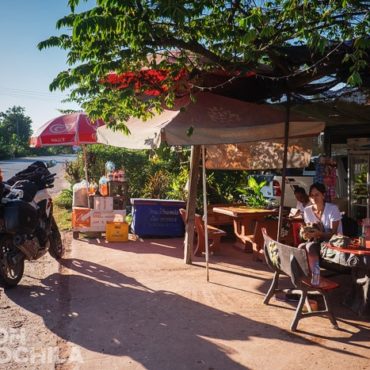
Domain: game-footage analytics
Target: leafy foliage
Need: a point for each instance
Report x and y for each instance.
(252, 194)
(64, 199)
(233, 36)
(159, 174)
(15, 130)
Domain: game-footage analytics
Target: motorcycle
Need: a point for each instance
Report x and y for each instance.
(27, 226)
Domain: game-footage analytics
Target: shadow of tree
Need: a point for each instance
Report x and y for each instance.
(107, 312)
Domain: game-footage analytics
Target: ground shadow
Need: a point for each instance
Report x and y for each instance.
(174, 248)
(343, 314)
(107, 312)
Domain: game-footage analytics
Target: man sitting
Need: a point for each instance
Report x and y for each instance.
(303, 201)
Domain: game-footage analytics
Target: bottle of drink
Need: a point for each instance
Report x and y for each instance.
(315, 280)
(1, 175)
(91, 190)
(103, 186)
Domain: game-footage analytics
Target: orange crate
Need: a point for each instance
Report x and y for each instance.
(116, 231)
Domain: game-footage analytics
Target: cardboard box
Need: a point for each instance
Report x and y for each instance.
(103, 203)
(94, 220)
(117, 188)
(119, 202)
(100, 218)
(116, 231)
(81, 217)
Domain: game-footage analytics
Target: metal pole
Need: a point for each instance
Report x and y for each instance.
(205, 209)
(285, 159)
(85, 160)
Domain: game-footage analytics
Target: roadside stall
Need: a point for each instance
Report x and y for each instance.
(101, 208)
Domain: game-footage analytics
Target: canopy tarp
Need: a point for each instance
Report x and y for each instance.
(212, 119)
(261, 155)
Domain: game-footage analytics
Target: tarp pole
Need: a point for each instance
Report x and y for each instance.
(191, 203)
(85, 161)
(205, 209)
(285, 159)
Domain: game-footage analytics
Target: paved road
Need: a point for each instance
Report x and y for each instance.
(11, 166)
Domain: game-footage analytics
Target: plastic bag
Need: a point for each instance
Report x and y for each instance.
(340, 241)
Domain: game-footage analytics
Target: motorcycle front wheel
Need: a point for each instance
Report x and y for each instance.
(56, 248)
(10, 273)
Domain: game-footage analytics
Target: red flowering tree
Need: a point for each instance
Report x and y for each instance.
(121, 52)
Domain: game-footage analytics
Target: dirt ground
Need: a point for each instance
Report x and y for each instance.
(136, 305)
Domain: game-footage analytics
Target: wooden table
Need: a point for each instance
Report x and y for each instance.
(358, 297)
(244, 219)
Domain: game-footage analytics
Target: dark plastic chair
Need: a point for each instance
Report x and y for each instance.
(293, 262)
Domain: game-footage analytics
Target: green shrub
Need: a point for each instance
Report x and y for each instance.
(64, 199)
(157, 174)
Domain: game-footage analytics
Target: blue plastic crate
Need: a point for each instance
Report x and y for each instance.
(157, 217)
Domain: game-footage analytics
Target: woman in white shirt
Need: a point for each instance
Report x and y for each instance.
(327, 215)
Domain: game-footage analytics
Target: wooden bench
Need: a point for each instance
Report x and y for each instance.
(214, 234)
(293, 262)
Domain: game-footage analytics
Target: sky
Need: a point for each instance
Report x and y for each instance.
(25, 71)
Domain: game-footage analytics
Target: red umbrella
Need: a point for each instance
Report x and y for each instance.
(69, 129)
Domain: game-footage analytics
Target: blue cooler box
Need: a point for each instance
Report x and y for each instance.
(157, 217)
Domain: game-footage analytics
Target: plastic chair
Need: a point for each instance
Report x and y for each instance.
(293, 262)
(214, 234)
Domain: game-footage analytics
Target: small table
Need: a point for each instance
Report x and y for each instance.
(358, 297)
(244, 219)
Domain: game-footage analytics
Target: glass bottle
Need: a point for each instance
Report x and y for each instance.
(103, 186)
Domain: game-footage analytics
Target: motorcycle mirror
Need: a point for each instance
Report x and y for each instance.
(51, 163)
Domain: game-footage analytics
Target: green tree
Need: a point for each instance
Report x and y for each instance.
(15, 131)
(283, 44)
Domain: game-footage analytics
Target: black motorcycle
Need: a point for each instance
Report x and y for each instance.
(27, 227)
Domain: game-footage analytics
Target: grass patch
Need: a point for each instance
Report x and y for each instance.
(63, 217)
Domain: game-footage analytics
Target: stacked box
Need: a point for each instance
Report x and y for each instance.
(117, 188)
(119, 202)
(103, 203)
(116, 231)
(92, 220)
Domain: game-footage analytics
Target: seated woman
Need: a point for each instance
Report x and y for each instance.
(324, 215)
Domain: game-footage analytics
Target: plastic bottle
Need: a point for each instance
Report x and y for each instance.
(91, 190)
(315, 280)
(103, 186)
(110, 167)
